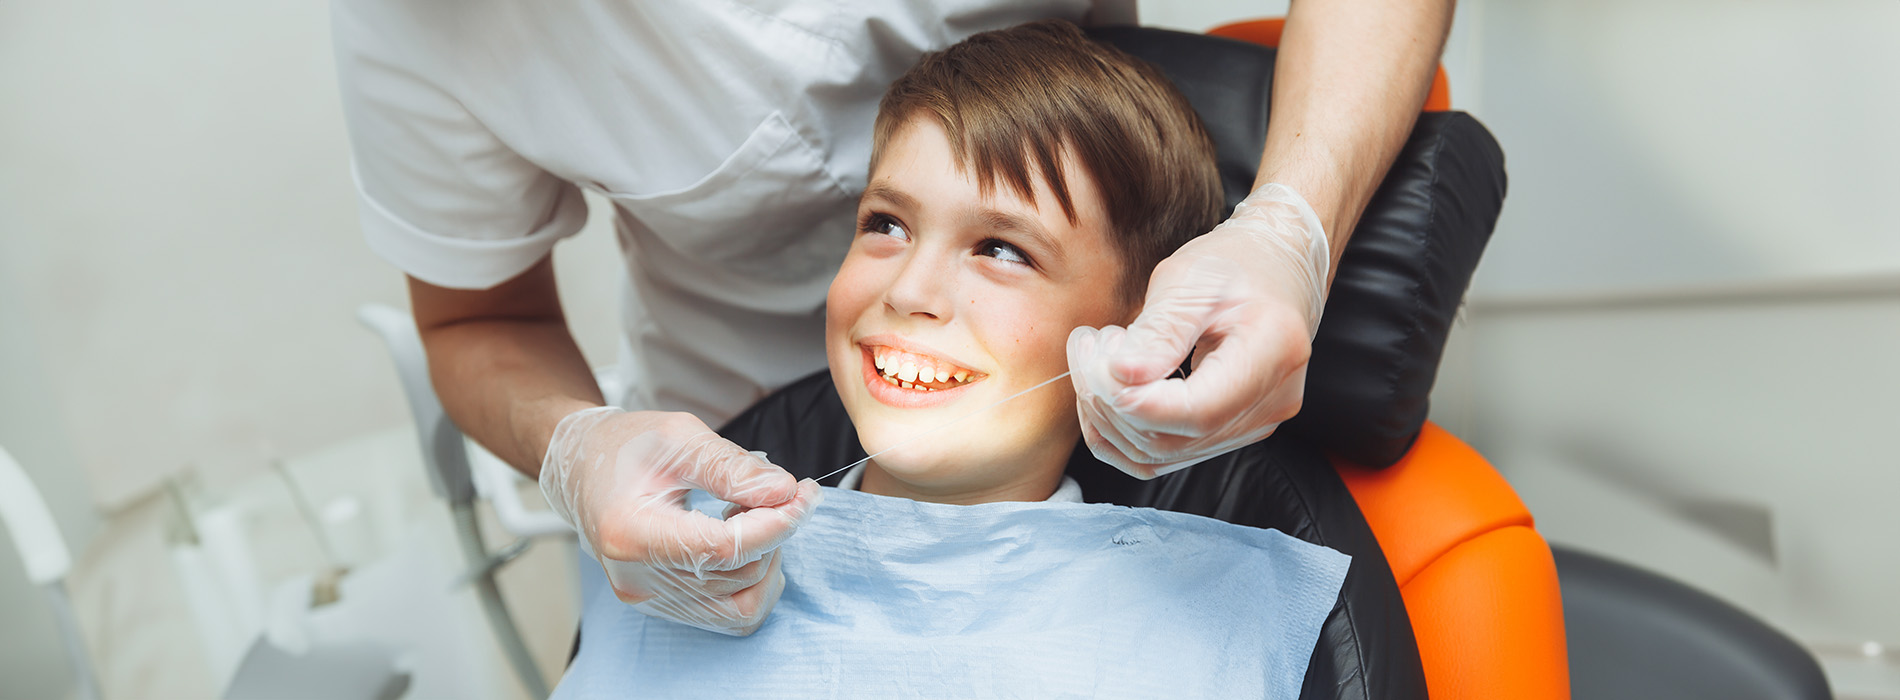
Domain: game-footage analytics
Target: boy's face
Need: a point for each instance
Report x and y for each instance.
(980, 293)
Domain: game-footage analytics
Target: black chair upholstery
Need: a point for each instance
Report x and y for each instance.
(1405, 269)
(1635, 635)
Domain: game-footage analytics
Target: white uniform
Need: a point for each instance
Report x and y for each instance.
(733, 138)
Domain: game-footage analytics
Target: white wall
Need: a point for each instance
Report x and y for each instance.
(1661, 143)
(1681, 345)
(180, 225)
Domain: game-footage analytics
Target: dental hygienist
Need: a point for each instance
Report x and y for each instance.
(733, 140)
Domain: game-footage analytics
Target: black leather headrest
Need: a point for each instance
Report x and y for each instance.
(1406, 268)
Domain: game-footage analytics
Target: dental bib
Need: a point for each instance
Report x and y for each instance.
(888, 597)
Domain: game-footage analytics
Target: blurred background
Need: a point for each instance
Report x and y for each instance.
(1681, 347)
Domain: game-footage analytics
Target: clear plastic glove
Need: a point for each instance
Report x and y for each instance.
(1246, 299)
(621, 479)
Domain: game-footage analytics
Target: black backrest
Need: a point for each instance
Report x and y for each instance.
(1634, 635)
(1405, 270)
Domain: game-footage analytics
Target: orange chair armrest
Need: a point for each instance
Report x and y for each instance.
(1490, 621)
(1439, 495)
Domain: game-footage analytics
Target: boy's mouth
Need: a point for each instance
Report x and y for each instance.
(919, 372)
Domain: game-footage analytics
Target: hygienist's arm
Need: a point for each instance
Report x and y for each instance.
(1348, 83)
(1246, 298)
(503, 362)
(507, 370)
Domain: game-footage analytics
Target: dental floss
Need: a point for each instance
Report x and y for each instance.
(1046, 382)
(945, 426)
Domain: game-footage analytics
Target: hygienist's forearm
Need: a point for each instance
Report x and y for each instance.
(504, 364)
(1348, 83)
(508, 383)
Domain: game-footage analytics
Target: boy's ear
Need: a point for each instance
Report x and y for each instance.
(1131, 308)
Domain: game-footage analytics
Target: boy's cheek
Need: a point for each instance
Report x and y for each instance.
(845, 299)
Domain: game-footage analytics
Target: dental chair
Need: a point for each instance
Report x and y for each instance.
(36, 537)
(461, 473)
(1452, 593)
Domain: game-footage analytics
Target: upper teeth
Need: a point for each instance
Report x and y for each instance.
(913, 371)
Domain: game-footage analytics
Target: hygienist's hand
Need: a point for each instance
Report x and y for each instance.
(621, 480)
(1246, 299)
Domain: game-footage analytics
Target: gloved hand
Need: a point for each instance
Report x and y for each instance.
(621, 480)
(1246, 299)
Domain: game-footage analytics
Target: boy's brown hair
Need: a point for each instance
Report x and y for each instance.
(1012, 100)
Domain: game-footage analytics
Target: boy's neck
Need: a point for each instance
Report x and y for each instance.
(1032, 486)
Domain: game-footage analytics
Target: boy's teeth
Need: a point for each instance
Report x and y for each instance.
(908, 373)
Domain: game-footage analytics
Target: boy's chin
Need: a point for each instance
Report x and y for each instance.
(945, 461)
(923, 467)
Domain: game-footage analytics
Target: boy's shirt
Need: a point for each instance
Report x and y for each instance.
(1068, 492)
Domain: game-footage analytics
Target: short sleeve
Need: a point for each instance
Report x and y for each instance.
(441, 196)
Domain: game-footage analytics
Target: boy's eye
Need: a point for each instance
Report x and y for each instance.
(1004, 252)
(884, 224)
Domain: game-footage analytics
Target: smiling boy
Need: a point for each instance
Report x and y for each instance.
(987, 232)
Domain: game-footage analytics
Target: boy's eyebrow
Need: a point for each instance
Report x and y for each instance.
(884, 190)
(1027, 228)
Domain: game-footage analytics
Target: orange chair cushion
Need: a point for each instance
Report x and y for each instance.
(1490, 621)
(1266, 32)
(1479, 583)
(1439, 495)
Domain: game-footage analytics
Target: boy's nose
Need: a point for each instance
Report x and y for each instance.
(922, 288)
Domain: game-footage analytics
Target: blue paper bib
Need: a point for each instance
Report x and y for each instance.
(888, 597)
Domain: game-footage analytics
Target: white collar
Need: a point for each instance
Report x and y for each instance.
(1068, 492)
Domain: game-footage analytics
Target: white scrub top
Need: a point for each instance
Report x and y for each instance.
(733, 138)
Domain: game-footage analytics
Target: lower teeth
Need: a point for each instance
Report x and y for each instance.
(910, 385)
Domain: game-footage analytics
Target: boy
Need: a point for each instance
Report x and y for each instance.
(986, 234)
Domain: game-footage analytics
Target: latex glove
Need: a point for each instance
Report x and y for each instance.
(1246, 299)
(621, 480)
